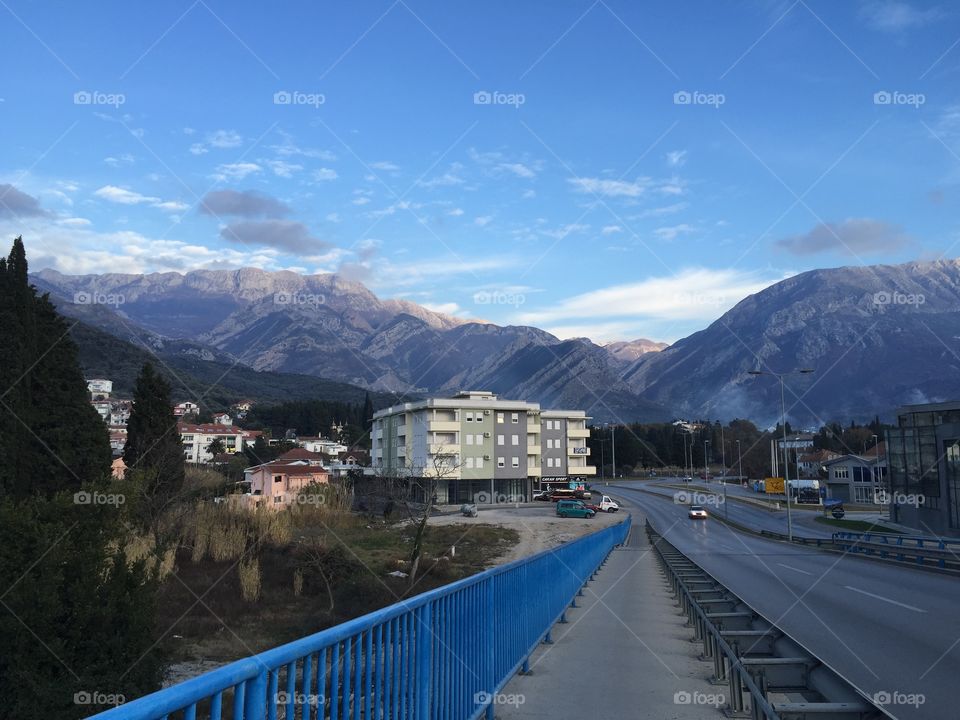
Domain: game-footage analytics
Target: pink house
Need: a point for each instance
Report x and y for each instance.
(279, 483)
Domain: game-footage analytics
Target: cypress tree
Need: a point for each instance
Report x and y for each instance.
(77, 618)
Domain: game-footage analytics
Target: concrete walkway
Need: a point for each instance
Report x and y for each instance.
(624, 653)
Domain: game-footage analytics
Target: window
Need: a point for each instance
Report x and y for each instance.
(515, 440)
(470, 417)
(514, 462)
(499, 439)
(550, 462)
(479, 439)
(500, 462)
(278, 478)
(469, 463)
(479, 463)
(277, 499)
(549, 443)
(499, 417)
(469, 439)
(514, 417)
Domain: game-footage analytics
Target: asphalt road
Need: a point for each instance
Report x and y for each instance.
(886, 628)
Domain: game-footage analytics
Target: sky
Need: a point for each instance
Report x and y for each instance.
(609, 169)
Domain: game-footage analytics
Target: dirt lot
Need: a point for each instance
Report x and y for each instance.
(538, 526)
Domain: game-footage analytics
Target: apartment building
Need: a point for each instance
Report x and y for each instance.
(482, 448)
(197, 439)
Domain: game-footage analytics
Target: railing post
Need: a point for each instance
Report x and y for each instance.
(424, 636)
(255, 698)
(491, 678)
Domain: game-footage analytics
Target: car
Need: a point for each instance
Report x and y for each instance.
(697, 512)
(558, 495)
(582, 494)
(608, 504)
(593, 506)
(574, 508)
(543, 496)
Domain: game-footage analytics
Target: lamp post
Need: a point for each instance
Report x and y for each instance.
(876, 473)
(783, 426)
(723, 456)
(613, 452)
(706, 470)
(739, 462)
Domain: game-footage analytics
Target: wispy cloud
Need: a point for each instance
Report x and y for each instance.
(895, 16)
(122, 196)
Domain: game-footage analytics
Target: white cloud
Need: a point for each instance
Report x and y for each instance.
(333, 217)
(676, 158)
(611, 229)
(518, 169)
(895, 16)
(450, 178)
(672, 232)
(483, 220)
(235, 171)
(120, 160)
(198, 149)
(456, 212)
(449, 308)
(325, 174)
(610, 188)
(362, 200)
(282, 168)
(74, 222)
(692, 294)
(122, 196)
(384, 165)
(224, 139)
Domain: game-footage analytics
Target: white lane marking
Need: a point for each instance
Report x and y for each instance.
(885, 599)
(795, 569)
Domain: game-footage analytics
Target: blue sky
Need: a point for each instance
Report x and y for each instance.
(608, 169)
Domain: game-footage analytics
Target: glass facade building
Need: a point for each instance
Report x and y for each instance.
(923, 454)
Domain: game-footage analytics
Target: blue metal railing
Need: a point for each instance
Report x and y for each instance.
(443, 654)
(936, 552)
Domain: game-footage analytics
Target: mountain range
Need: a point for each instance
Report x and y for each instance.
(875, 336)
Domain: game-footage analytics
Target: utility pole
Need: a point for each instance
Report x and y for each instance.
(723, 455)
(706, 470)
(613, 452)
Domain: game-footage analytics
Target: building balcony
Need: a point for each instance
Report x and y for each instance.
(443, 426)
(585, 470)
(444, 449)
(534, 472)
(578, 433)
(578, 451)
(534, 450)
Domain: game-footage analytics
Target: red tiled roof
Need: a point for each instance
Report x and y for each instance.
(285, 469)
(300, 454)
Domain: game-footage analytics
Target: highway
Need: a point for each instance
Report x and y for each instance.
(886, 628)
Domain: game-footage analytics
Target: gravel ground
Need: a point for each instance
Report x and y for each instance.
(539, 527)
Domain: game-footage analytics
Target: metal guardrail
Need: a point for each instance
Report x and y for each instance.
(925, 551)
(768, 675)
(445, 653)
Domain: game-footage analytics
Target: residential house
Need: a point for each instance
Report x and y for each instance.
(222, 418)
(197, 439)
(279, 483)
(99, 389)
(186, 408)
(810, 464)
(855, 479)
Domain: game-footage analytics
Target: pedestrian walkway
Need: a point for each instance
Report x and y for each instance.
(624, 652)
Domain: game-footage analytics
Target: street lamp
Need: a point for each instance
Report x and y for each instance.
(783, 425)
(723, 455)
(706, 471)
(739, 462)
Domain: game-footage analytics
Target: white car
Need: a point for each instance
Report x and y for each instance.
(697, 513)
(608, 504)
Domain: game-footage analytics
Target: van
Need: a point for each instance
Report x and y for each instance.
(573, 508)
(608, 504)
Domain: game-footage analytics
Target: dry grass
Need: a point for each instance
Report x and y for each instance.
(250, 579)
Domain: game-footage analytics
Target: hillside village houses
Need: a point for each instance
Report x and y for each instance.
(280, 482)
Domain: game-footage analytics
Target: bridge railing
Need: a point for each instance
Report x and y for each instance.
(935, 552)
(443, 654)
